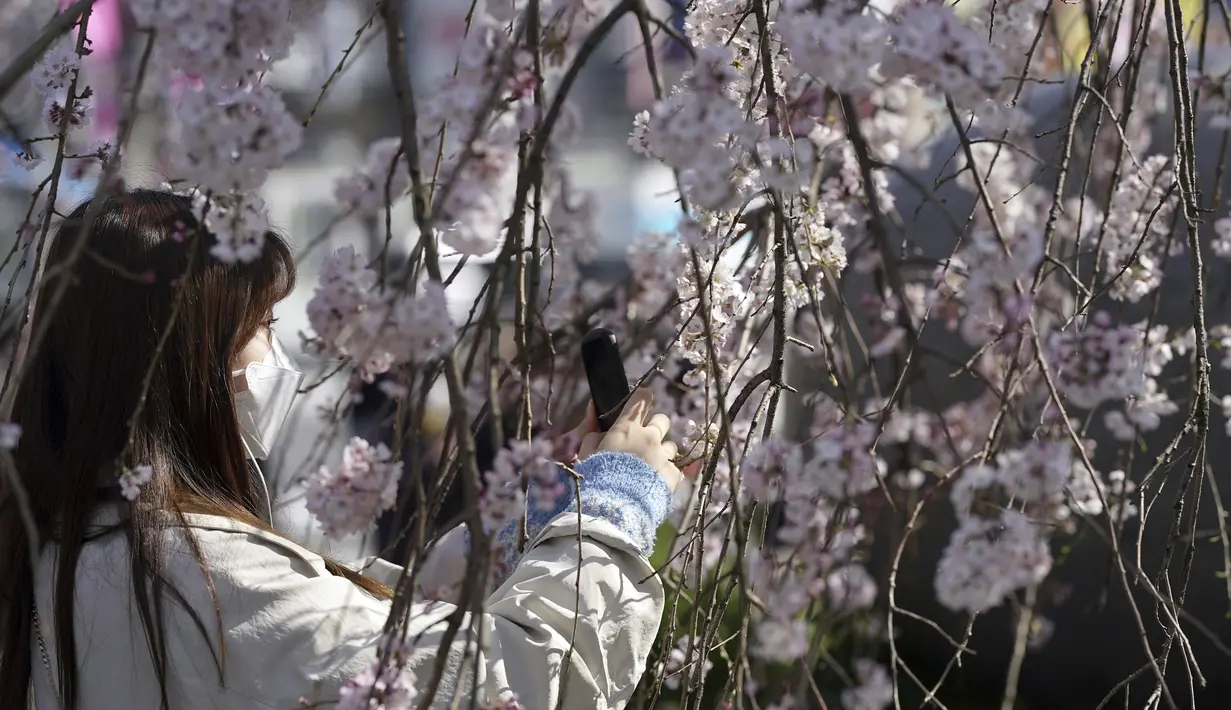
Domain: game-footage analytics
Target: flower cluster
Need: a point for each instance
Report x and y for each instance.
(1001, 544)
(10, 434)
(379, 330)
(681, 661)
(1138, 224)
(842, 44)
(987, 281)
(1100, 363)
(699, 131)
(989, 558)
(387, 684)
(61, 113)
(874, 690)
(52, 80)
(716, 283)
(350, 499)
(235, 40)
(937, 48)
(230, 128)
(221, 123)
(237, 220)
(816, 531)
(522, 465)
(382, 180)
(56, 71)
(133, 479)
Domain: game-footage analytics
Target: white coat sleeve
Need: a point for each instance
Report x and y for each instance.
(295, 636)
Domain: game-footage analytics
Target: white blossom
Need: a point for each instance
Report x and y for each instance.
(133, 479)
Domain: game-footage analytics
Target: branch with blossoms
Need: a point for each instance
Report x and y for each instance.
(65, 110)
(901, 426)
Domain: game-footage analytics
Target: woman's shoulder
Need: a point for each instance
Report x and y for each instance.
(238, 552)
(233, 553)
(288, 624)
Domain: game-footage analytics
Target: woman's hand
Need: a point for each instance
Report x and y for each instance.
(639, 433)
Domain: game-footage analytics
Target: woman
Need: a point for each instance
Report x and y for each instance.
(185, 597)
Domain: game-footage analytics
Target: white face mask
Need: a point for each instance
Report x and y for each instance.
(272, 385)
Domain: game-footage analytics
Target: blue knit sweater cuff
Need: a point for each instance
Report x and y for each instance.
(616, 487)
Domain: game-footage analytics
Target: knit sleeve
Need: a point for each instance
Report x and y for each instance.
(615, 486)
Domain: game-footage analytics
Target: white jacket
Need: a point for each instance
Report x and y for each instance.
(293, 631)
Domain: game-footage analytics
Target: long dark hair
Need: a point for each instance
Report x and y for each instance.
(145, 259)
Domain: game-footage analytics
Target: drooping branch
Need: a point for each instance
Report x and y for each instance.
(57, 27)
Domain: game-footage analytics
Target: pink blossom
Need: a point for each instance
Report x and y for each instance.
(386, 684)
(350, 498)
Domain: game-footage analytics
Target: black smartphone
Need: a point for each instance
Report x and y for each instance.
(600, 354)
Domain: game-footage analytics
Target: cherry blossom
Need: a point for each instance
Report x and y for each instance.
(679, 664)
(352, 318)
(10, 434)
(989, 558)
(220, 124)
(348, 499)
(875, 689)
(386, 684)
(503, 497)
(56, 71)
(385, 173)
(133, 479)
(237, 220)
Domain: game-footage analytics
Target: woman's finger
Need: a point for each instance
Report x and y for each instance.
(661, 423)
(589, 444)
(671, 475)
(637, 407)
(672, 450)
(589, 423)
(568, 446)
